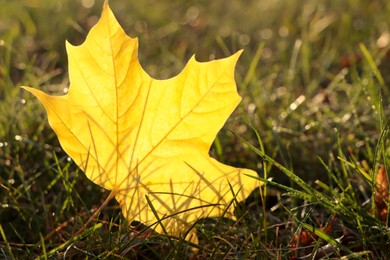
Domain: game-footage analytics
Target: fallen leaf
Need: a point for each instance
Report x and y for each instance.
(305, 237)
(381, 196)
(139, 136)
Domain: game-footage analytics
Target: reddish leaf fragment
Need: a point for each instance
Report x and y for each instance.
(381, 196)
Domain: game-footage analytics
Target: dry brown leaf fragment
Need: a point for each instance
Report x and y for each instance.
(381, 196)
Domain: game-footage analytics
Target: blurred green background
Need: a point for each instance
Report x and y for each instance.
(308, 88)
(298, 73)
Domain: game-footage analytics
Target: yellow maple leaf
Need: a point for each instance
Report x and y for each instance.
(139, 136)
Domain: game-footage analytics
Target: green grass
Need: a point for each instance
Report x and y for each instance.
(314, 118)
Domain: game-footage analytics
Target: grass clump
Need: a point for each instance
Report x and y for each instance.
(313, 123)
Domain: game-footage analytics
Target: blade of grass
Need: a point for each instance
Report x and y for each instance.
(292, 192)
(359, 169)
(97, 212)
(301, 183)
(225, 49)
(7, 245)
(320, 233)
(45, 256)
(357, 255)
(253, 65)
(75, 238)
(372, 64)
(156, 214)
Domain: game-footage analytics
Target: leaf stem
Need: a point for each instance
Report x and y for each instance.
(97, 212)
